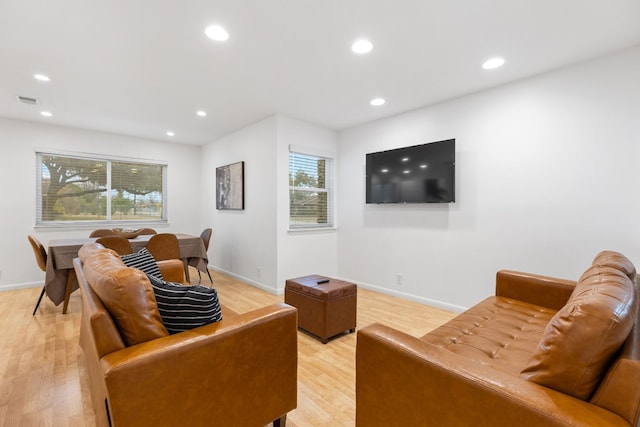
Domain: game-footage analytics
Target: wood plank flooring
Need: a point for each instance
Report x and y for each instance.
(42, 382)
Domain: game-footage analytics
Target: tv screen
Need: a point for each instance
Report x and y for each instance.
(418, 174)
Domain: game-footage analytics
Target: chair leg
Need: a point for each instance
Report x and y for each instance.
(186, 271)
(280, 422)
(199, 277)
(67, 291)
(39, 299)
(210, 278)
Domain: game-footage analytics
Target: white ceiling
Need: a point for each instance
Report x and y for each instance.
(141, 68)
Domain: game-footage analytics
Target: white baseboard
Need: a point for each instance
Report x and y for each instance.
(16, 286)
(392, 292)
(410, 297)
(253, 283)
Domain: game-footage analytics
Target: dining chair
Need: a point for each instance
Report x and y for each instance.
(41, 259)
(117, 243)
(147, 231)
(165, 246)
(101, 232)
(206, 237)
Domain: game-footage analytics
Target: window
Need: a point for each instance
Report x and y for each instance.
(78, 189)
(310, 191)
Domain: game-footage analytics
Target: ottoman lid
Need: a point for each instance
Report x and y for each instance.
(332, 289)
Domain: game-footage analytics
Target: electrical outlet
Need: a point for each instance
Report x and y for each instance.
(398, 279)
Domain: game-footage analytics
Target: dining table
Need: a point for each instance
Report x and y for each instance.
(60, 278)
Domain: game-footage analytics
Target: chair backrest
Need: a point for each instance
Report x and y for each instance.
(39, 251)
(117, 243)
(101, 232)
(164, 246)
(206, 237)
(147, 231)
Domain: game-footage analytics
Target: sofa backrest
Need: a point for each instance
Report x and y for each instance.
(590, 348)
(619, 391)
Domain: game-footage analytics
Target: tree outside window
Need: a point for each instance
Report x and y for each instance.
(72, 189)
(309, 191)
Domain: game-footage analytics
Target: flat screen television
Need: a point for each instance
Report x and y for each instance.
(422, 173)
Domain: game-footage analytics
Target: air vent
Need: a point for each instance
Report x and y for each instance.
(28, 100)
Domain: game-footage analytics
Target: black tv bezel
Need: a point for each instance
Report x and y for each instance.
(368, 191)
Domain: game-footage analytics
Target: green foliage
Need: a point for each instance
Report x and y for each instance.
(78, 187)
(120, 203)
(138, 179)
(302, 179)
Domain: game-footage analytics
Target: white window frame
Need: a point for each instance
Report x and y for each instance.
(109, 221)
(329, 188)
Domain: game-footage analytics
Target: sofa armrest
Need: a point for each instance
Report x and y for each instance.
(172, 270)
(535, 289)
(404, 381)
(239, 371)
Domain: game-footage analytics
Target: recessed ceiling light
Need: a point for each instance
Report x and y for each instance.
(201, 113)
(46, 113)
(377, 102)
(41, 77)
(217, 33)
(493, 63)
(170, 133)
(362, 46)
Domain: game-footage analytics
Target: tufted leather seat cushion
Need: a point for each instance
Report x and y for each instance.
(584, 336)
(498, 332)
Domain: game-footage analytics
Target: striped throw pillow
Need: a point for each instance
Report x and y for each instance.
(142, 260)
(184, 307)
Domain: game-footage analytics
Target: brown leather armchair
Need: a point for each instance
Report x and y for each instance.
(240, 371)
(483, 368)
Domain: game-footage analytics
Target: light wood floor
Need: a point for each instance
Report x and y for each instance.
(42, 382)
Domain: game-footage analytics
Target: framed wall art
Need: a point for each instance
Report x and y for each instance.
(230, 186)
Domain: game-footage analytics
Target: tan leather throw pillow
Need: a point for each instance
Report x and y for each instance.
(127, 295)
(616, 260)
(581, 339)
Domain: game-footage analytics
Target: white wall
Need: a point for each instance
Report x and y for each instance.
(301, 253)
(254, 244)
(244, 242)
(546, 177)
(18, 142)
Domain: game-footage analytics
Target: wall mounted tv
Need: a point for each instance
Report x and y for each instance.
(422, 173)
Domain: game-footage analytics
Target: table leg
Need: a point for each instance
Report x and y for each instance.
(67, 292)
(186, 270)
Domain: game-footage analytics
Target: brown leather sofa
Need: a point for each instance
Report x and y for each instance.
(541, 352)
(240, 371)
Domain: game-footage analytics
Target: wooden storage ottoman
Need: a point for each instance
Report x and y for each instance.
(324, 309)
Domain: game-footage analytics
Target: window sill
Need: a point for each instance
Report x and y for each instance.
(312, 230)
(95, 225)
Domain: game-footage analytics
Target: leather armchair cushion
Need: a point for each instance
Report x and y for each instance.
(580, 341)
(172, 270)
(127, 295)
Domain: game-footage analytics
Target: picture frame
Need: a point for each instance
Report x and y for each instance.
(230, 186)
